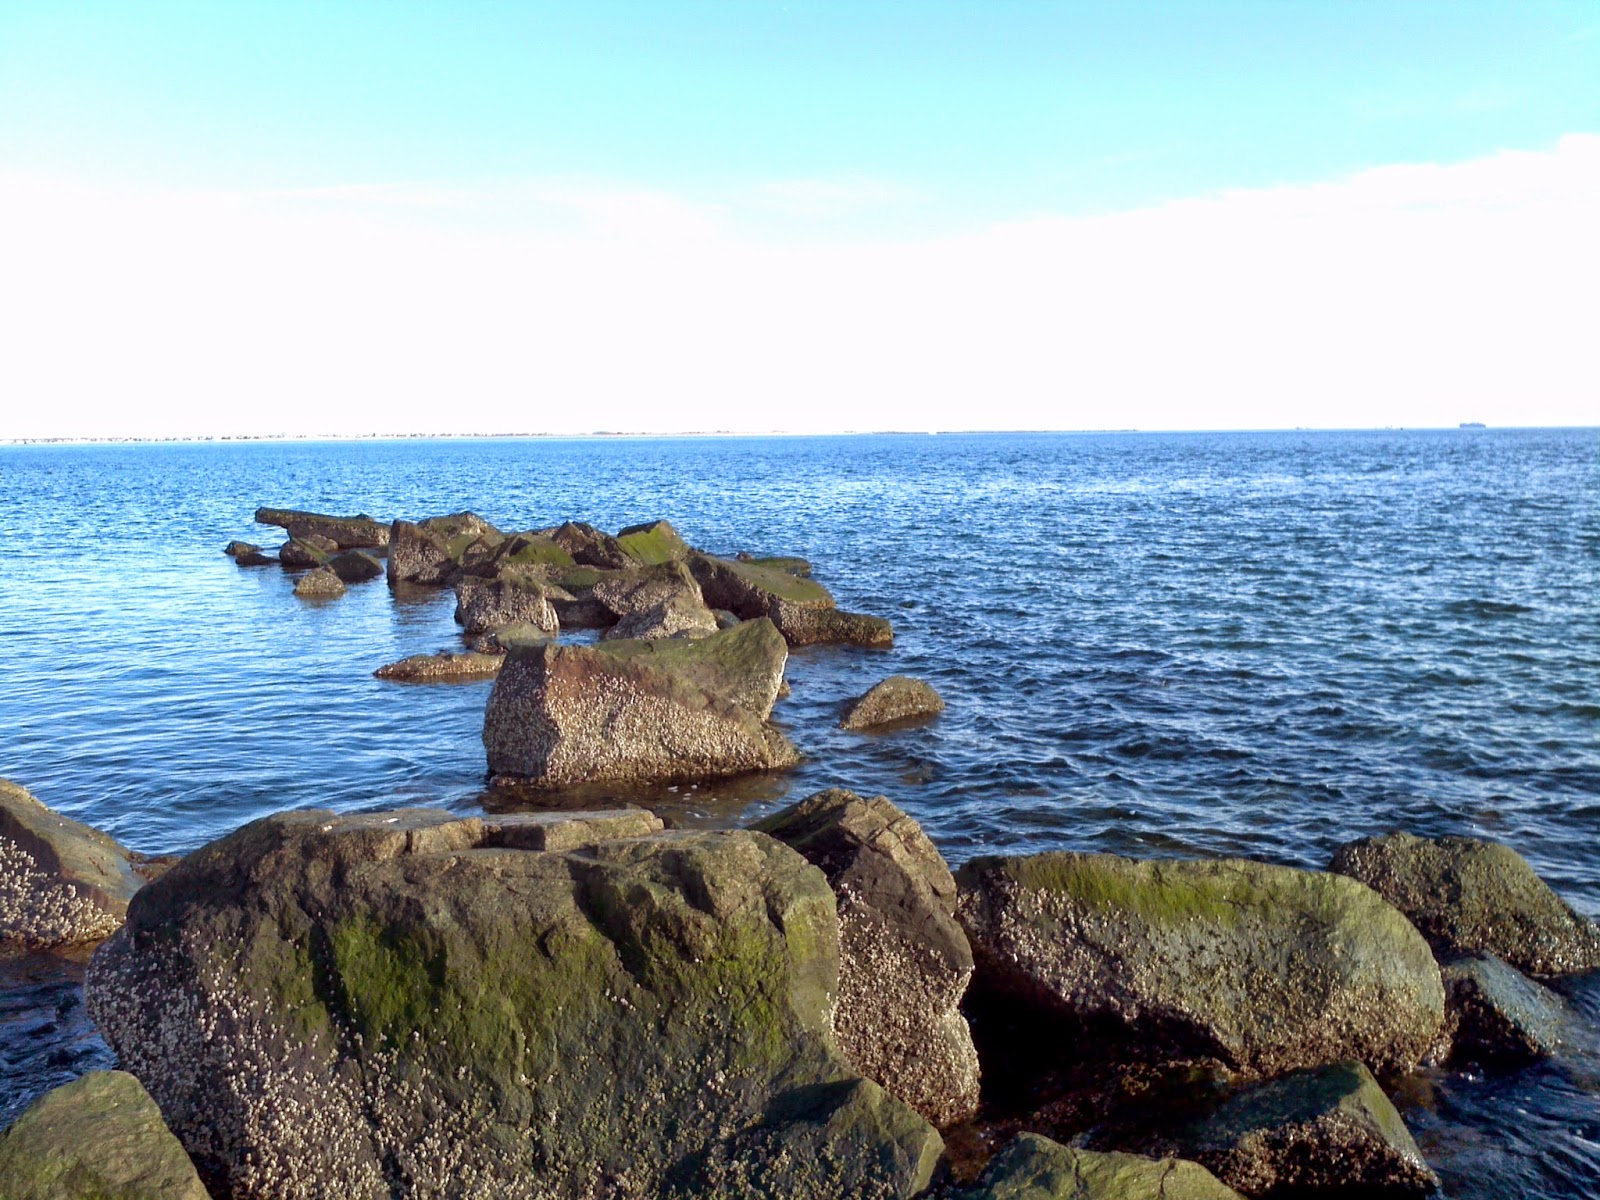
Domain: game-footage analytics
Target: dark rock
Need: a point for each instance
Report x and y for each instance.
(803, 625)
(1496, 1014)
(653, 542)
(678, 617)
(656, 602)
(589, 546)
(483, 605)
(637, 712)
(300, 554)
(347, 533)
(1031, 1167)
(247, 555)
(61, 883)
(99, 1137)
(433, 551)
(1263, 968)
(398, 1004)
(1474, 897)
(895, 699)
(802, 609)
(430, 668)
(1326, 1130)
(904, 961)
(355, 566)
(725, 619)
(321, 584)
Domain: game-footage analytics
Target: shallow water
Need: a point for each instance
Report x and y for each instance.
(1181, 644)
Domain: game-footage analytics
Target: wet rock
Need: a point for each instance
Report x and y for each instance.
(626, 593)
(498, 641)
(305, 553)
(904, 962)
(61, 883)
(678, 617)
(589, 546)
(1474, 897)
(513, 599)
(638, 712)
(803, 625)
(1261, 967)
(320, 584)
(433, 550)
(725, 619)
(802, 609)
(653, 542)
(346, 533)
(99, 1137)
(393, 1004)
(355, 566)
(1329, 1129)
(1031, 1167)
(895, 699)
(430, 668)
(1495, 1014)
(247, 554)
(778, 562)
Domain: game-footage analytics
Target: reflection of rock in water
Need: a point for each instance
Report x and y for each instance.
(46, 1038)
(710, 804)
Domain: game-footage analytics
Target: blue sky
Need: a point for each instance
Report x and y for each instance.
(903, 141)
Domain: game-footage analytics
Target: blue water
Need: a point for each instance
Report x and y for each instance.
(1176, 644)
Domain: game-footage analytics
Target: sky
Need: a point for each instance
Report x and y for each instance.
(232, 219)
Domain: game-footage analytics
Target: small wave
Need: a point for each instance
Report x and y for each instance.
(1487, 610)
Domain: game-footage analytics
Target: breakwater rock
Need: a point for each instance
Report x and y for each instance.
(1031, 1167)
(412, 1004)
(347, 533)
(638, 711)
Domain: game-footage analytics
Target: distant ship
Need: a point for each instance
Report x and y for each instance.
(1473, 425)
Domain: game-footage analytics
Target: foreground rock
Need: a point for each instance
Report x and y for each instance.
(430, 668)
(320, 584)
(408, 1004)
(638, 712)
(897, 698)
(1264, 968)
(347, 533)
(433, 551)
(61, 883)
(1474, 897)
(802, 609)
(100, 1137)
(1319, 1131)
(905, 961)
(1496, 1014)
(1031, 1167)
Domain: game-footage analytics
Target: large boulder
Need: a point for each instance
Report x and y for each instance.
(904, 962)
(656, 602)
(590, 547)
(61, 883)
(638, 712)
(1474, 897)
(653, 542)
(1316, 1132)
(676, 617)
(1264, 968)
(1031, 1167)
(432, 551)
(99, 1137)
(414, 1004)
(483, 605)
(896, 698)
(802, 609)
(347, 533)
(1496, 1014)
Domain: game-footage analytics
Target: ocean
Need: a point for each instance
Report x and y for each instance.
(1160, 645)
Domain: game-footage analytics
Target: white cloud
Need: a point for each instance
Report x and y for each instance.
(1403, 295)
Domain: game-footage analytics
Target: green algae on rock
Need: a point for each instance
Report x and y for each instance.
(431, 551)
(802, 609)
(653, 542)
(1262, 967)
(1031, 1167)
(408, 1004)
(100, 1137)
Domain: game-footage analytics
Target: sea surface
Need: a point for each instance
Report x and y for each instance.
(1151, 644)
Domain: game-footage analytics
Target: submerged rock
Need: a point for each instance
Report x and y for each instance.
(513, 599)
(99, 1137)
(1031, 1167)
(61, 882)
(321, 584)
(432, 551)
(1261, 967)
(247, 554)
(347, 533)
(895, 699)
(638, 712)
(424, 668)
(1326, 1130)
(1474, 897)
(1497, 1014)
(904, 960)
(305, 553)
(408, 1004)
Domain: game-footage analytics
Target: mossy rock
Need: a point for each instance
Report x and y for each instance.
(653, 543)
(1264, 968)
(100, 1137)
(747, 589)
(525, 549)
(417, 1004)
(1031, 1167)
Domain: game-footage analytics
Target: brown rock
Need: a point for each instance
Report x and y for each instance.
(513, 599)
(895, 699)
(433, 668)
(347, 533)
(321, 584)
(299, 554)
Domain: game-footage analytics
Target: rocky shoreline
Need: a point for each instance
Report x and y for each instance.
(575, 1004)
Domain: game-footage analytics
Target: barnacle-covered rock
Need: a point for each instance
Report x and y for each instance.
(1031, 1167)
(432, 551)
(347, 533)
(1496, 1014)
(320, 584)
(433, 668)
(896, 698)
(802, 609)
(425, 1005)
(515, 598)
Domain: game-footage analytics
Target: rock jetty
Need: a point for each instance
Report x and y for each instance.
(347, 533)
